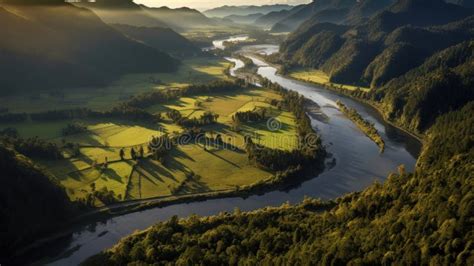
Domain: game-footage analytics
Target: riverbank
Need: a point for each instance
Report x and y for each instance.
(375, 106)
(274, 183)
(363, 125)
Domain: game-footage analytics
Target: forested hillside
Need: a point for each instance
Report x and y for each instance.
(417, 218)
(445, 82)
(58, 45)
(348, 12)
(388, 45)
(417, 66)
(31, 203)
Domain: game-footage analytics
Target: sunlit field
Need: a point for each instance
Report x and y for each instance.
(185, 170)
(319, 77)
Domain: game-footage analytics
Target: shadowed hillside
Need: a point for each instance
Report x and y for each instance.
(334, 11)
(163, 39)
(60, 45)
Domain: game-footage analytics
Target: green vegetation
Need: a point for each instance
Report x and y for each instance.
(197, 70)
(28, 194)
(417, 65)
(110, 156)
(371, 52)
(319, 77)
(441, 84)
(364, 125)
(423, 217)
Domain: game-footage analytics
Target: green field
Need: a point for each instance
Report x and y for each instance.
(319, 77)
(188, 168)
(194, 70)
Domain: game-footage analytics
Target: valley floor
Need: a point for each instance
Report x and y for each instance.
(191, 168)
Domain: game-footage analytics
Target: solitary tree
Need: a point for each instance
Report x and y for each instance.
(122, 154)
(141, 151)
(106, 163)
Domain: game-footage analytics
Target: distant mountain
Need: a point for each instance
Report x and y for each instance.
(297, 15)
(335, 11)
(423, 13)
(268, 20)
(382, 48)
(146, 24)
(122, 12)
(129, 13)
(180, 18)
(163, 39)
(225, 11)
(322, 7)
(50, 47)
(247, 19)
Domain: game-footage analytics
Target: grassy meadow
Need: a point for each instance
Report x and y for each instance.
(191, 71)
(319, 77)
(188, 168)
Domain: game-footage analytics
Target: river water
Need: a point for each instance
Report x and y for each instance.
(358, 163)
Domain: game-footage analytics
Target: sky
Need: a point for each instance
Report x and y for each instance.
(207, 4)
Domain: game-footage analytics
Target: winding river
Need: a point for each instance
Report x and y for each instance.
(358, 163)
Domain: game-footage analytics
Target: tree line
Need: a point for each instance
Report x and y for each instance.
(207, 118)
(33, 147)
(257, 115)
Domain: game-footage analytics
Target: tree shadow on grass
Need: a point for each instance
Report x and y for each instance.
(155, 170)
(224, 159)
(178, 153)
(111, 174)
(194, 186)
